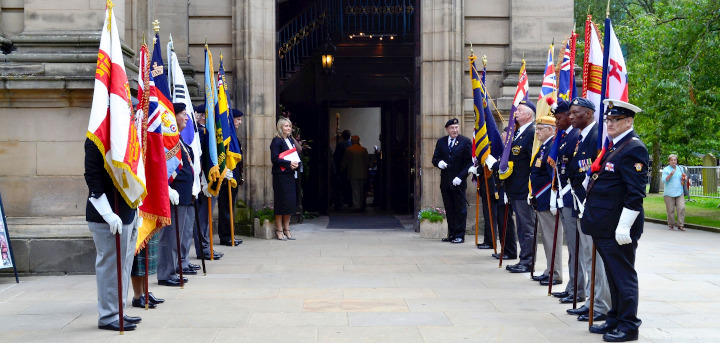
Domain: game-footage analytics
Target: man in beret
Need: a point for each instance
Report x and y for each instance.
(203, 245)
(614, 218)
(223, 203)
(582, 117)
(453, 156)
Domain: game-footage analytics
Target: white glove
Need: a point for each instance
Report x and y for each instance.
(206, 191)
(442, 164)
(490, 161)
(138, 222)
(174, 196)
(505, 199)
(553, 202)
(229, 174)
(622, 233)
(529, 199)
(456, 181)
(586, 182)
(473, 170)
(103, 208)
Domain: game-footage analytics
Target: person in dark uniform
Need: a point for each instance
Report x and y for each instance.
(516, 185)
(104, 224)
(504, 213)
(487, 242)
(582, 116)
(566, 150)
(453, 156)
(223, 201)
(284, 172)
(541, 180)
(202, 246)
(614, 217)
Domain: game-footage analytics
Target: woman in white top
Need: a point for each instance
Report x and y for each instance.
(674, 178)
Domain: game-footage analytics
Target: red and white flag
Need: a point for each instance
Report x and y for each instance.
(617, 85)
(112, 127)
(592, 68)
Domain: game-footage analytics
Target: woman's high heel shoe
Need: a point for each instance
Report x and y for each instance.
(287, 234)
(280, 236)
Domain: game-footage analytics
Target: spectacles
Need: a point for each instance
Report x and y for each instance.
(614, 120)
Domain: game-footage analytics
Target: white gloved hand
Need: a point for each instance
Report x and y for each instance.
(103, 208)
(529, 199)
(456, 181)
(229, 174)
(174, 196)
(490, 161)
(442, 164)
(553, 202)
(586, 182)
(138, 220)
(206, 191)
(505, 199)
(473, 170)
(622, 232)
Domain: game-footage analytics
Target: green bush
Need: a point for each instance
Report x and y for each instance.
(433, 214)
(264, 213)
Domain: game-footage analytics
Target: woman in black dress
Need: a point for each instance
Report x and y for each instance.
(284, 172)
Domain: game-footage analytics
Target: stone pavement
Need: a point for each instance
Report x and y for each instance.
(373, 286)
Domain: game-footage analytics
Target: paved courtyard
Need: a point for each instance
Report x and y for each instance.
(374, 286)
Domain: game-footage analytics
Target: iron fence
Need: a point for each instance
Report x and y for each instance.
(704, 181)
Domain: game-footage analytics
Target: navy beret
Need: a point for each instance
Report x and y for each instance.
(236, 113)
(453, 121)
(529, 104)
(620, 108)
(562, 106)
(582, 102)
(178, 107)
(200, 108)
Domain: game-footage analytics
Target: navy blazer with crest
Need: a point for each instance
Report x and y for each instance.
(459, 160)
(516, 185)
(581, 163)
(541, 175)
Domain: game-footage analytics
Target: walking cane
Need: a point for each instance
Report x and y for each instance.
(591, 313)
(212, 251)
(490, 212)
(121, 317)
(502, 239)
(532, 263)
(477, 209)
(577, 252)
(231, 206)
(177, 236)
(552, 263)
(145, 281)
(197, 236)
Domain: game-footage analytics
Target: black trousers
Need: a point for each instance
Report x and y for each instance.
(224, 211)
(509, 225)
(455, 210)
(487, 234)
(622, 280)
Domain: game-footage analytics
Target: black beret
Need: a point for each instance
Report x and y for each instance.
(200, 108)
(529, 104)
(620, 108)
(178, 107)
(236, 113)
(582, 102)
(453, 121)
(562, 106)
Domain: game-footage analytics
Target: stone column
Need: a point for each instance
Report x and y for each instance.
(255, 92)
(441, 72)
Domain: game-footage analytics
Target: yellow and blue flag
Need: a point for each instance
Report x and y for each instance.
(232, 146)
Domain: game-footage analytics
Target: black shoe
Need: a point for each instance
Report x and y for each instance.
(578, 311)
(131, 320)
(547, 282)
(505, 257)
(458, 240)
(447, 239)
(189, 271)
(542, 277)
(484, 246)
(512, 266)
(602, 328)
(229, 243)
(618, 335)
(216, 256)
(569, 299)
(521, 269)
(194, 266)
(153, 299)
(185, 280)
(141, 303)
(115, 326)
(561, 294)
(597, 316)
(171, 282)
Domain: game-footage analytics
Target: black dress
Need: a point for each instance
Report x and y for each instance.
(284, 189)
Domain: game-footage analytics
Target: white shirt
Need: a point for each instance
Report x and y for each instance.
(522, 129)
(584, 133)
(621, 136)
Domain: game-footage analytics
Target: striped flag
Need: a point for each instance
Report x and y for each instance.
(486, 139)
(215, 170)
(521, 93)
(566, 79)
(232, 147)
(171, 136)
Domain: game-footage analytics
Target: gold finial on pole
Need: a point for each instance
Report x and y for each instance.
(144, 42)
(607, 11)
(156, 25)
(471, 50)
(484, 60)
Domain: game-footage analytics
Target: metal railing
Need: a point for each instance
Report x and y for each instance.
(704, 181)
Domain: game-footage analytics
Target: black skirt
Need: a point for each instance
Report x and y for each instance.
(285, 193)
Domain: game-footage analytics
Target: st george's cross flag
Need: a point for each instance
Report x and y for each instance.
(521, 94)
(111, 126)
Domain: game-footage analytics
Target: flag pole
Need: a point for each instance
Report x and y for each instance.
(502, 239)
(577, 252)
(534, 253)
(490, 212)
(591, 313)
(177, 241)
(555, 236)
(118, 264)
(197, 230)
(232, 209)
(145, 281)
(210, 228)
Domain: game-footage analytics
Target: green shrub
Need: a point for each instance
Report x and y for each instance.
(264, 213)
(433, 214)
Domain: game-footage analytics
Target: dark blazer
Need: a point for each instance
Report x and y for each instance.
(516, 185)
(184, 177)
(458, 161)
(277, 146)
(581, 163)
(99, 182)
(620, 184)
(566, 150)
(541, 175)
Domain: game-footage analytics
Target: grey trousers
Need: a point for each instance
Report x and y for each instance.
(203, 246)
(167, 249)
(106, 268)
(602, 289)
(525, 223)
(546, 229)
(570, 225)
(358, 193)
(187, 231)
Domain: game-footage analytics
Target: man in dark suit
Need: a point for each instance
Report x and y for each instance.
(614, 217)
(516, 185)
(453, 156)
(582, 116)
